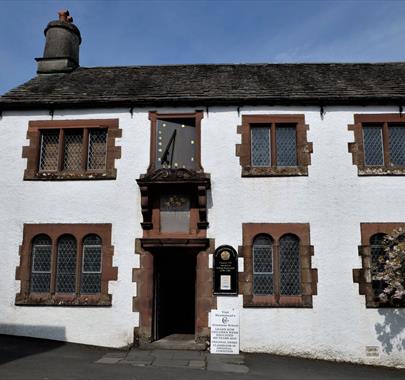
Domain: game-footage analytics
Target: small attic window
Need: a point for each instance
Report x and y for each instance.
(72, 149)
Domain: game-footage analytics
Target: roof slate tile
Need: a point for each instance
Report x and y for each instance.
(220, 84)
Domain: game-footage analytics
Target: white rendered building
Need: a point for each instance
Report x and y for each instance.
(120, 182)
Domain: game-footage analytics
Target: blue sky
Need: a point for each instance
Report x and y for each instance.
(192, 31)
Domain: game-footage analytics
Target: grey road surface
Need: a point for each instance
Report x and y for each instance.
(35, 359)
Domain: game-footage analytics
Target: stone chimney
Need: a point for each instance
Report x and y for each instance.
(61, 53)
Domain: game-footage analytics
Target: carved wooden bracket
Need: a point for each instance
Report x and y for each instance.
(146, 208)
(202, 207)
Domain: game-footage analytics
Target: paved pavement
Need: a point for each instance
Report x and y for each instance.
(35, 359)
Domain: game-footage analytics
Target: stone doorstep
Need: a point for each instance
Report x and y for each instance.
(179, 359)
(176, 342)
(189, 355)
(168, 345)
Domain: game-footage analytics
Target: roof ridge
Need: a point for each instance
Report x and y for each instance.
(247, 64)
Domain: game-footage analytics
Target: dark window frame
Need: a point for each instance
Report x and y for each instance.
(62, 262)
(83, 271)
(34, 272)
(363, 276)
(38, 128)
(257, 274)
(357, 149)
(308, 275)
(77, 298)
(303, 147)
(376, 244)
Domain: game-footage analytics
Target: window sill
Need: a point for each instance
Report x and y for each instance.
(376, 304)
(255, 301)
(383, 306)
(275, 306)
(251, 171)
(381, 171)
(45, 299)
(67, 176)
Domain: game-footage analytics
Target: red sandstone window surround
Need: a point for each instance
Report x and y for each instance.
(66, 265)
(72, 149)
(379, 144)
(371, 250)
(274, 145)
(277, 269)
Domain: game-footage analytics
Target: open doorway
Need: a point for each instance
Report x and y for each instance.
(174, 292)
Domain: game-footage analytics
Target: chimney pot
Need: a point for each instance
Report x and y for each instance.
(63, 15)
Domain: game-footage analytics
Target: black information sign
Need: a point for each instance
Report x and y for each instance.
(225, 271)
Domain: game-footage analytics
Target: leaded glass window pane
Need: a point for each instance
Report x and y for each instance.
(97, 149)
(260, 146)
(66, 265)
(373, 146)
(286, 146)
(290, 279)
(41, 264)
(378, 258)
(397, 144)
(91, 265)
(48, 160)
(263, 265)
(73, 150)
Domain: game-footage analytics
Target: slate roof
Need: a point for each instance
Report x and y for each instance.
(219, 84)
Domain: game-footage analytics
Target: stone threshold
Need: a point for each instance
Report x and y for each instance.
(175, 342)
(171, 358)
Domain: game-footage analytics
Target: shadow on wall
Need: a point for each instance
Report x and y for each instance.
(391, 332)
(15, 347)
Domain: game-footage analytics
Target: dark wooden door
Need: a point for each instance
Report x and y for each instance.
(175, 274)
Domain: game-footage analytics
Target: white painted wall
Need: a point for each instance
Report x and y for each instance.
(332, 198)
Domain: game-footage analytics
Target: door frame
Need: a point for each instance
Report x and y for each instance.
(143, 302)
